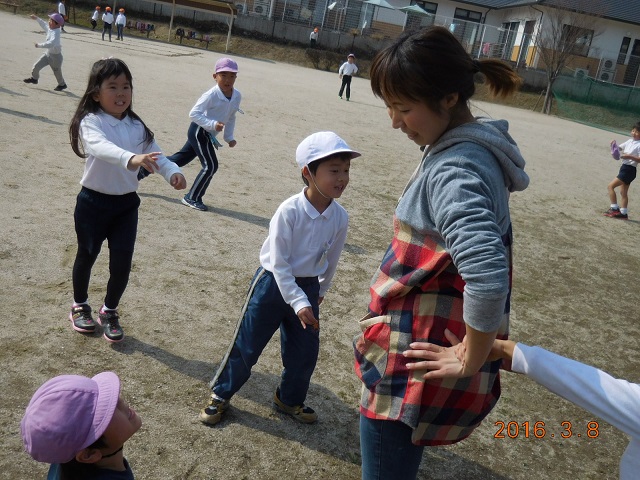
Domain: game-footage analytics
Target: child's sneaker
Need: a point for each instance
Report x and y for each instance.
(299, 412)
(619, 215)
(212, 413)
(30, 80)
(194, 204)
(611, 212)
(81, 319)
(110, 321)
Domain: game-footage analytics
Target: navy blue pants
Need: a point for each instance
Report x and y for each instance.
(264, 312)
(346, 82)
(198, 145)
(99, 217)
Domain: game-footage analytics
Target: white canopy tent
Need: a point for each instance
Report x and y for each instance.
(414, 10)
(375, 3)
(219, 7)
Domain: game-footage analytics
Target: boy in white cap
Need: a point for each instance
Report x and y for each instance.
(214, 112)
(347, 70)
(298, 260)
(79, 425)
(53, 55)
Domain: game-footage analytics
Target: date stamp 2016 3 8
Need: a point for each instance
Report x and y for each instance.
(540, 429)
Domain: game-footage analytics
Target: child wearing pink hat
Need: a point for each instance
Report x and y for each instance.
(53, 55)
(79, 425)
(214, 112)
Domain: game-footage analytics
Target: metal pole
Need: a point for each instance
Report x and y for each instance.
(324, 13)
(226, 48)
(173, 11)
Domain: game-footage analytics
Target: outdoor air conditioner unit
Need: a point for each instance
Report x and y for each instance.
(605, 76)
(581, 73)
(608, 64)
(242, 8)
(260, 7)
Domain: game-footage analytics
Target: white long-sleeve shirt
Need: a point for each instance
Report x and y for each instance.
(107, 17)
(110, 143)
(52, 42)
(212, 107)
(96, 15)
(615, 401)
(121, 19)
(62, 10)
(348, 69)
(304, 243)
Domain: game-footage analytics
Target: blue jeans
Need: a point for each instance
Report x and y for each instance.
(266, 312)
(387, 451)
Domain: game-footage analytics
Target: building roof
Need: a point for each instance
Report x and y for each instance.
(625, 11)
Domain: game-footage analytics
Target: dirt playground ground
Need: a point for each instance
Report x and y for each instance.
(576, 272)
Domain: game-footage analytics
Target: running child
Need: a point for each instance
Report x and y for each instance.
(214, 112)
(298, 260)
(53, 55)
(630, 156)
(116, 143)
(80, 425)
(94, 18)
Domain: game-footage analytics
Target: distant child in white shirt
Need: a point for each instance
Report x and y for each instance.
(121, 21)
(629, 153)
(347, 70)
(298, 260)
(53, 55)
(95, 17)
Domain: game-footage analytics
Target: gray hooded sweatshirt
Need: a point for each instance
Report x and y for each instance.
(459, 197)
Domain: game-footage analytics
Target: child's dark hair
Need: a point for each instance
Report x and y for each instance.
(637, 126)
(428, 65)
(101, 71)
(313, 166)
(74, 470)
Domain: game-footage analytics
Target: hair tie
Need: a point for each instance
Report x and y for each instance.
(476, 66)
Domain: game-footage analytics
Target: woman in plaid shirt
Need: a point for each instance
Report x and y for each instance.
(449, 262)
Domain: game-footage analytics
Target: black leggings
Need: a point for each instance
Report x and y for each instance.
(99, 217)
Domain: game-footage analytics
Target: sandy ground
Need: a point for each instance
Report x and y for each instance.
(575, 271)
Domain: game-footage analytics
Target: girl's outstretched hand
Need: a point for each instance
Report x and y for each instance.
(178, 181)
(146, 160)
(439, 362)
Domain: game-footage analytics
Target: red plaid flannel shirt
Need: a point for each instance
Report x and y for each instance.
(417, 293)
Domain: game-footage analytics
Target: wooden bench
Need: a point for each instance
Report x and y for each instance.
(140, 27)
(12, 5)
(190, 35)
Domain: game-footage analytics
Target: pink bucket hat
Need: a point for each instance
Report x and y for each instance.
(321, 145)
(68, 413)
(56, 17)
(226, 65)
